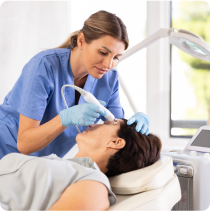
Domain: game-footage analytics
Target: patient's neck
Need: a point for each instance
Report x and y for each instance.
(100, 160)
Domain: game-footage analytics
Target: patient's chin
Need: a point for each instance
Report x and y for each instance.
(80, 137)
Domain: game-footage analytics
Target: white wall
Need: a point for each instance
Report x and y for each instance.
(26, 28)
(158, 75)
(133, 69)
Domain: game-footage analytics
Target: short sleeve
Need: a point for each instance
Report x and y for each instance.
(102, 178)
(33, 90)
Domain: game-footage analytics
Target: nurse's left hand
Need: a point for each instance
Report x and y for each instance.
(142, 121)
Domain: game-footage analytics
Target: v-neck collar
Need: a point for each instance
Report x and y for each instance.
(87, 87)
(88, 84)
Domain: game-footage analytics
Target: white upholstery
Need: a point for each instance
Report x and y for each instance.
(148, 178)
(160, 186)
(159, 199)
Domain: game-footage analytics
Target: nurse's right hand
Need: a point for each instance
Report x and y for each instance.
(81, 115)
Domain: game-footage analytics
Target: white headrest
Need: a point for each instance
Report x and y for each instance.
(148, 178)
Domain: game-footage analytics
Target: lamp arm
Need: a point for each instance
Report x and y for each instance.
(152, 38)
(127, 93)
(145, 43)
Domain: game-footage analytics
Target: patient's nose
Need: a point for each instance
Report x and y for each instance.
(93, 125)
(89, 126)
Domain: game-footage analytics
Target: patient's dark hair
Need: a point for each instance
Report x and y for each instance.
(140, 151)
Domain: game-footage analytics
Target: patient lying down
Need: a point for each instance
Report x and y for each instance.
(80, 183)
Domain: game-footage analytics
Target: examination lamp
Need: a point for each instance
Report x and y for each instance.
(185, 40)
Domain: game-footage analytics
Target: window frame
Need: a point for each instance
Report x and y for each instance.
(187, 124)
(158, 102)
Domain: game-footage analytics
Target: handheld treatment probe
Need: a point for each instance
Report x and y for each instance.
(90, 99)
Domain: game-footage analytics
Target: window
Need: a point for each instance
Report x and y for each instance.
(132, 70)
(190, 77)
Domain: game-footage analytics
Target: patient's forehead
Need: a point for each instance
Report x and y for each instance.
(112, 123)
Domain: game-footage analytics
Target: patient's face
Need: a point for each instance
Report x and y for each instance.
(97, 135)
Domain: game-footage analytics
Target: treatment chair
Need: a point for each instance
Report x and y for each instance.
(155, 187)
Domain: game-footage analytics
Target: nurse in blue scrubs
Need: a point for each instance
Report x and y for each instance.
(33, 117)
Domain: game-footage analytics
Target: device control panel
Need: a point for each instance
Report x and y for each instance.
(183, 169)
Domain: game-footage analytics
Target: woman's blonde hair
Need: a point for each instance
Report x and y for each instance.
(96, 26)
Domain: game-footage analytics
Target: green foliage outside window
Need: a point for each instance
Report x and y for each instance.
(195, 17)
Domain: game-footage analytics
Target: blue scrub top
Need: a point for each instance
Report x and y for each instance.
(37, 95)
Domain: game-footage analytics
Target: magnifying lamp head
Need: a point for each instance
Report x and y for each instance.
(190, 43)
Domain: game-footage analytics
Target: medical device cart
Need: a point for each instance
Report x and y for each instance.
(193, 171)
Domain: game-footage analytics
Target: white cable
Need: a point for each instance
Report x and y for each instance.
(88, 97)
(64, 100)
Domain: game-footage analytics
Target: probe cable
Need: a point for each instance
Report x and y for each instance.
(64, 100)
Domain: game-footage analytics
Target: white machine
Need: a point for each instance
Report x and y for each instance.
(192, 166)
(200, 141)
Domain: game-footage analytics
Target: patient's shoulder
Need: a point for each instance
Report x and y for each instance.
(93, 194)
